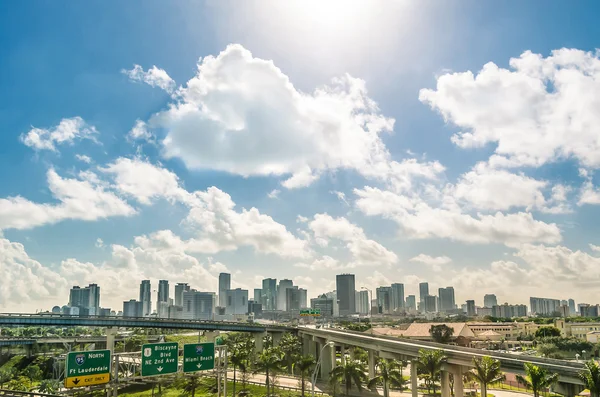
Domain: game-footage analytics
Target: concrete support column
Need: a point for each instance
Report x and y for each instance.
(342, 354)
(259, 342)
(352, 355)
(327, 362)
(312, 347)
(211, 336)
(414, 380)
(305, 345)
(276, 338)
(371, 364)
(333, 352)
(445, 375)
(457, 372)
(110, 339)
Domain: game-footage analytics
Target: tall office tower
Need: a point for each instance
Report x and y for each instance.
(423, 292)
(397, 297)
(198, 305)
(362, 302)
(384, 299)
(292, 299)
(471, 308)
(269, 294)
(430, 304)
(163, 291)
(572, 310)
(303, 298)
(281, 294)
(324, 304)
(489, 300)
(146, 297)
(345, 290)
(132, 308)
(94, 302)
(446, 297)
(180, 288)
(236, 301)
(336, 306)
(224, 286)
(257, 295)
(87, 299)
(544, 306)
(411, 302)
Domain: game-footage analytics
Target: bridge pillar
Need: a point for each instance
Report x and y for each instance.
(414, 380)
(259, 342)
(371, 364)
(327, 362)
(445, 375)
(29, 350)
(312, 347)
(342, 354)
(211, 336)
(276, 338)
(457, 373)
(567, 389)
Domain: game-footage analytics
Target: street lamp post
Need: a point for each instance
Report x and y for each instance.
(314, 375)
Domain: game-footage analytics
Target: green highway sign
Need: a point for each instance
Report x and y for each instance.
(159, 358)
(310, 312)
(198, 357)
(87, 368)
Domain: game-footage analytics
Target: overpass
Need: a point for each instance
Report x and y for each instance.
(53, 340)
(460, 359)
(57, 320)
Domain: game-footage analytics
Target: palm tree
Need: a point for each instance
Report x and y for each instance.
(270, 361)
(389, 374)
(305, 365)
(291, 347)
(536, 378)
(191, 385)
(591, 377)
(486, 372)
(6, 375)
(49, 386)
(239, 353)
(430, 364)
(350, 372)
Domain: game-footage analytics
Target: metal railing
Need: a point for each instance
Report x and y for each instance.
(13, 393)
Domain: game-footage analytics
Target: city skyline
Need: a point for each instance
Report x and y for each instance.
(414, 142)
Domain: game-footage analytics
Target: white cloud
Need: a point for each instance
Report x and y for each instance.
(419, 220)
(242, 115)
(589, 194)
(83, 158)
(323, 264)
(78, 199)
(542, 110)
(99, 243)
(364, 251)
(154, 77)
(66, 132)
(435, 263)
(273, 194)
(595, 248)
(140, 132)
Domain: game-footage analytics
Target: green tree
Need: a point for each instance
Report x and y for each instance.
(389, 374)
(486, 372)
(305, 365)
(591, 377)
(190, 385)
(6, 375)
(240, 347)
(49, 386)
(361, 355)
(429, 365)
(33, 372)
(20, 383)
(546, 331)
(291, 347)
(441, 333)
(536, 378)
(270, 361)
(351, 372)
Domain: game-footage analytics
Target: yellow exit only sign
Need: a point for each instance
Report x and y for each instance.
(87, 380)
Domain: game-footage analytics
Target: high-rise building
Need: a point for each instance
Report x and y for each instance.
(236, 301)
(292, 299)
(257, 295)
(198, 305)
(269, 294)
(94, 302)
(509, 311)
(163, 292)
(446, 298)
(411, 302)
(345, 289)
(397, 297)
(336, 302)
(324, 304)
(544, 306)
(362, 302)
(86, 299)
(471, 308)
(490, 300)
(384, 299)
(303, 298)
(254, 308)
(423, 292)
(180, 288)
(132, 308)
(430, 304)
(572, 310)
(224, 286)
(281, 294)
(146, 297)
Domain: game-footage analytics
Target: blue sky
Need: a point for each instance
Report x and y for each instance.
(508, 208)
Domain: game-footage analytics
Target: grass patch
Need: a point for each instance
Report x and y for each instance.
(183, 339)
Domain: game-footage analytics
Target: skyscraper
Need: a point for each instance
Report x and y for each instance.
(236, 301)
(345, 289)
(423, 292)
(269, 294)
(446, 296)
(281, 294)
(411, 302)
(198, 305)
(163, 291)
(489, 300)
(397, 297)
(132, 308)
(180, 288)
(292, 299)
(362, 302)
(471, 308)
(224, 286)
(86, 299)
(384, 299)
(544, 306)
(258, 295)
(303, 298)
(146, 297)
(430, 304)
(572, 310)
